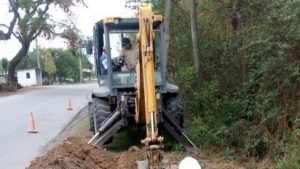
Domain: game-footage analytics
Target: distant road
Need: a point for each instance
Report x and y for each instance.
(48, 105)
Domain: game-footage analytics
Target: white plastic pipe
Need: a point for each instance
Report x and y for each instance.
(189, 163)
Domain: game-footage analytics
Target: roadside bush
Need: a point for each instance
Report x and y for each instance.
(225, 121)
(199, 132)
(9, 87)
(291, 150)
(291, 160)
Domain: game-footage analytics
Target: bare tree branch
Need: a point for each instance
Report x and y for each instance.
(14, 8)
(4, 25)
(12, 33)
(32, 19)
(10, 29)
(37, 34)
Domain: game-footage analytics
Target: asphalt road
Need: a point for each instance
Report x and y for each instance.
(49, 108)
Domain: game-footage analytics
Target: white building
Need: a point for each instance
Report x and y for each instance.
(29, 77)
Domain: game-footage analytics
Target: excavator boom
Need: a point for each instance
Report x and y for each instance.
(145, 72)
(146, 91)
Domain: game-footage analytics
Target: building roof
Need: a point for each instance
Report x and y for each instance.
(28, 69)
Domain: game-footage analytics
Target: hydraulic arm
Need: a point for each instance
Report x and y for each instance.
(146, 109)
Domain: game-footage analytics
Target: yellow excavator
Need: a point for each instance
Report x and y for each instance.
(140, 97)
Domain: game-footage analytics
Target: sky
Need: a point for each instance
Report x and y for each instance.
(85, 18)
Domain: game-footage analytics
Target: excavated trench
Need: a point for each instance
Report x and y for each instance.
(73, 153)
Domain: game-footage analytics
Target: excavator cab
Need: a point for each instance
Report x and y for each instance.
(108, 35)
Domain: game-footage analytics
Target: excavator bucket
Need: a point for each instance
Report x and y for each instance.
(165, 164)
(144, 165)
(172, 126)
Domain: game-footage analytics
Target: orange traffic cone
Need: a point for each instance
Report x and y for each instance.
(70, 105)
(31, 128)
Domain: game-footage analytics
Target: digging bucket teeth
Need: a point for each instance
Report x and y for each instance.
(143, 164)
(171, 125)
(165, 164)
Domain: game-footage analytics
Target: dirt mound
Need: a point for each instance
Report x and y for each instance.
(74, 154)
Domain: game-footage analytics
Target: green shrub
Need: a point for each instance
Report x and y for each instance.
(199, 132)
(9, 87)
(291, 150)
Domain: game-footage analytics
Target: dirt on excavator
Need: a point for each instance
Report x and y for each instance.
(73, 153)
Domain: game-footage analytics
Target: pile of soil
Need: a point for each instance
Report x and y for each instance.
(74, 154)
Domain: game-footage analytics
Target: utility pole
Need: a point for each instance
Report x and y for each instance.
(80, 68)
(79, 53)
(195, 44)
(37, 54)
(40, 81)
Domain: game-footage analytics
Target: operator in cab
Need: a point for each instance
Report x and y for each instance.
(103, 63)
(103, 67)
(129, 55)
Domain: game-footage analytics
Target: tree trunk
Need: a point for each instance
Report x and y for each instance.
(237, 23)
(167, 14)
(195, 43)
(14, 62)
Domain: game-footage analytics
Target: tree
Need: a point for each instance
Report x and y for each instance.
(195, 43)
(251, 116)
(76, 43)
(67, 63)
(167, 15)
(64, 61)
(49, 65)
(28, 62)
(30, 20)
